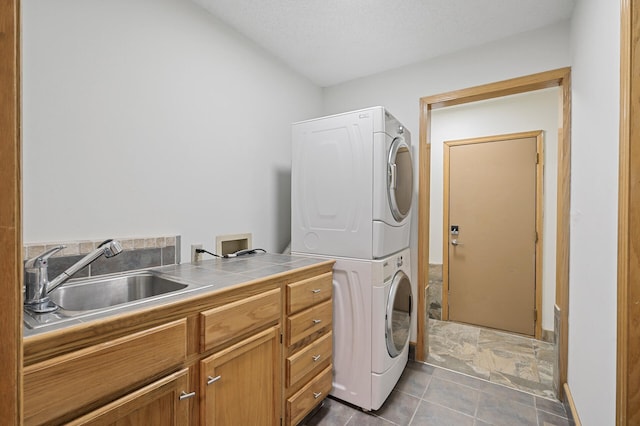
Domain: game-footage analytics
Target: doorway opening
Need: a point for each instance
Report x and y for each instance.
(558, 78)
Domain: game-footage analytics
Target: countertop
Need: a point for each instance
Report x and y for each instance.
(207, 276)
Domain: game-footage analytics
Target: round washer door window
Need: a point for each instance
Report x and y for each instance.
(398, 318)
(400, 179)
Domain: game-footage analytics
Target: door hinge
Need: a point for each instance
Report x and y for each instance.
(537, 158)
(535, 315)
(536, 236)
(280, 337)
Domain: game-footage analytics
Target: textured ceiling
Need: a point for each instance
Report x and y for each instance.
(332, 41)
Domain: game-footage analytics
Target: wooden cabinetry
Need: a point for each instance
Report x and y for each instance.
(308, 345)
(240, 385)
(215, 359)
(224, 323)
(162, 403)
(57, 388)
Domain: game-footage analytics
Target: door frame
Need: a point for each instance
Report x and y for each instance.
(628, 335)
(555, 78)
(538, 134)
(10, 215)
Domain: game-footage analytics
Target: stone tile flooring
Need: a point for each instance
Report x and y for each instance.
(503, 358)
(427, 395)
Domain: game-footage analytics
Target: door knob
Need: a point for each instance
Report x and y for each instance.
(455, 242)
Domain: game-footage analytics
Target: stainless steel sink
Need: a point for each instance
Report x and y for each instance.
(104, 292)
(91, 297)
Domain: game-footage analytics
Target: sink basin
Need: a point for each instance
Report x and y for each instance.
(88, 298)
(110, 291)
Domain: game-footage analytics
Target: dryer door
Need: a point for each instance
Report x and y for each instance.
(398, 314)
(400, 179)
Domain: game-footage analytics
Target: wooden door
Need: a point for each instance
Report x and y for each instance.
(158, 404)
(241, 384)
(491, 231)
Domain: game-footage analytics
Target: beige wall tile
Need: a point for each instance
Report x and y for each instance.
(87, 246)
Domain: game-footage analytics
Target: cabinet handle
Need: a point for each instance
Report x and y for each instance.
(315, 291)
(211, 380)
(316, 321)
(185, 395)
(316, 395)
(315, 357)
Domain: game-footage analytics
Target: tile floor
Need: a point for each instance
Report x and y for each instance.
(429, 395)
(504, 358)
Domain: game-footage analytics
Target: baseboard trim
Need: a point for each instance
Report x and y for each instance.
(570, 406)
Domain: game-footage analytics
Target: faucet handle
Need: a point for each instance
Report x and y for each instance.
(42, 258)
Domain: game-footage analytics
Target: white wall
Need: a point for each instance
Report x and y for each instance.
(400, 90)
(537, 110)
(153, 118)
(595, 45)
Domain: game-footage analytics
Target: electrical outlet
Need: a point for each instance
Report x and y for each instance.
(195, 257)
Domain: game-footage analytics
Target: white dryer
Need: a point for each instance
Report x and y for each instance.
(351, 185)
(372, 309)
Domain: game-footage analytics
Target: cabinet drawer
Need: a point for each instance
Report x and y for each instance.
(61, 385)
(312, 358)
(303, 294)
(306, 398)
(307, 322)
(239, 318)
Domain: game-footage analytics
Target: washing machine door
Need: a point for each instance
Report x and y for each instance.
(398, 315)
(400, 179)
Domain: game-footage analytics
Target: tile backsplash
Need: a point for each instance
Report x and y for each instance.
(138, 253)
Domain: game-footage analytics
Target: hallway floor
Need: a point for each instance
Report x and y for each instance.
(427, 395)
(504, 358)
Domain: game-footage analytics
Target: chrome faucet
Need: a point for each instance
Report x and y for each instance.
(37, 284)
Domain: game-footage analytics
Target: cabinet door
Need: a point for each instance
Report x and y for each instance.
(162, 403)
(241, 384)
(59, 388)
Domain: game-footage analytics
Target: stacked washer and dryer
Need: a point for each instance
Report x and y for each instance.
(351, 195)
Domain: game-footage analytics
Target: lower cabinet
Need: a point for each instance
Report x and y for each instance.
(165, 402)
(240, 385)
(58, 389)
(308, 345)
(211, 364)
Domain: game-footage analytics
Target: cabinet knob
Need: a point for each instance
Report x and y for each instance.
(185, 395)
(315, 291)
(315, 357)
(316, 395)
(211, 380)
(316, 321)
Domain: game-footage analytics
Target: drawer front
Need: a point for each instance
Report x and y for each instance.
(310, 359)
(306, 293)
(235, 319)
(58, 386)
(303, 401)
(308, 322)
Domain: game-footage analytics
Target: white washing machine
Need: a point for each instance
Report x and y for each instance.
(351, 185)
(372, 308)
